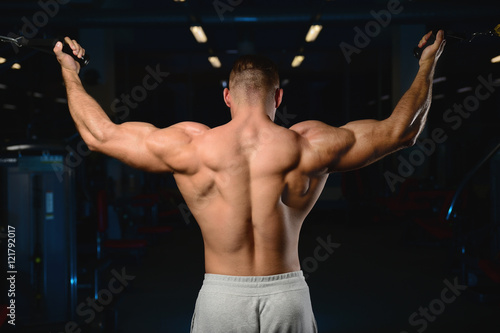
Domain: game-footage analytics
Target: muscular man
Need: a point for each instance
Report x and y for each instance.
(250, 183)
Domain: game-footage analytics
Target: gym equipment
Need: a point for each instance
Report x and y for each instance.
(44, 45)
(417, 51)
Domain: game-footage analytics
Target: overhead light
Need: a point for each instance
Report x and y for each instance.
(3, 86)
(215, 62)
(495, 60)
(297, 60)
(199, 34)
(16, 66)
(2, 60)
(179, 0)
(313, 33)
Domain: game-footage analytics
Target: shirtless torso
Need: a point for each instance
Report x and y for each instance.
(249, 189)
(250, 183)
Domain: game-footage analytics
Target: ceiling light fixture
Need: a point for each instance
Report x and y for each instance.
(16, 66)
(313, 33)
(215, 62)
(297, 61)
(495, 60)
(2, 60)
(199, 34)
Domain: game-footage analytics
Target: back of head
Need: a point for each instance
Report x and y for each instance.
(253, 74)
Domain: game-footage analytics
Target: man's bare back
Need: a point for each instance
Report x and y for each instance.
(250, 183)
(250, 194)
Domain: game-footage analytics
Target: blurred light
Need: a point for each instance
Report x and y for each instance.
(61, 100)
(223, 83)
(313, 33)
(215, 62)
(439, 96)
(439, 79)
(285, 82)
(245, 19)
(464, 89)
(495, 60)
(179, 0)
(2, 60)
(384, 98)
(3, 86)
(37, 94)
(297, 61)
(9, 107)
(16, 66)
(199, 34)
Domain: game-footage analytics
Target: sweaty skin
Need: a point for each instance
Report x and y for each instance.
(250, 183)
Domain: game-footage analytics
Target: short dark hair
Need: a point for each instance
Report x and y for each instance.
(255, 72)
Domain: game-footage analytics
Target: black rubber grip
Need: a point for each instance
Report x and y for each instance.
(47, 45)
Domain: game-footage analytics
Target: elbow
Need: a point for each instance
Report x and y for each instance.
(96, 141)
(406, 139)
(92, 146)
(408, 142)
(92, 143)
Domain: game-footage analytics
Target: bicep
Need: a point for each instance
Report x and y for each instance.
(144, 146)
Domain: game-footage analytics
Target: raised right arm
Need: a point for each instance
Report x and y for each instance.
(140, 145)
(363, 142)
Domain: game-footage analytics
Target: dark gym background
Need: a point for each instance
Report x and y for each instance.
(101, 247)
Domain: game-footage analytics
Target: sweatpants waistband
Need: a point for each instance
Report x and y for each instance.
(254, 285)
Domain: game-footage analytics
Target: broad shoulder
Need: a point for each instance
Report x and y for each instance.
(315, 131)
(190, 127)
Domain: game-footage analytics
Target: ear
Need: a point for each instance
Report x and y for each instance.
(278, 97)
(227, 97)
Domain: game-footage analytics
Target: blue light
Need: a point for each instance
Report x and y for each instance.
(245, 19)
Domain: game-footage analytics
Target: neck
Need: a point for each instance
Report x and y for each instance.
(257, 111)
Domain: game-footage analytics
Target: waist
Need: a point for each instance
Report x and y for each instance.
(254, 285)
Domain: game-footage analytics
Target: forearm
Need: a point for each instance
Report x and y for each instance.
(410, 114)
(90, 119)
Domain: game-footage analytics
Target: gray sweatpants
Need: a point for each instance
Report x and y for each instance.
(250, 304)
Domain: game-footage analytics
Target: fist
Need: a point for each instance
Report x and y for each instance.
(67, 62)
